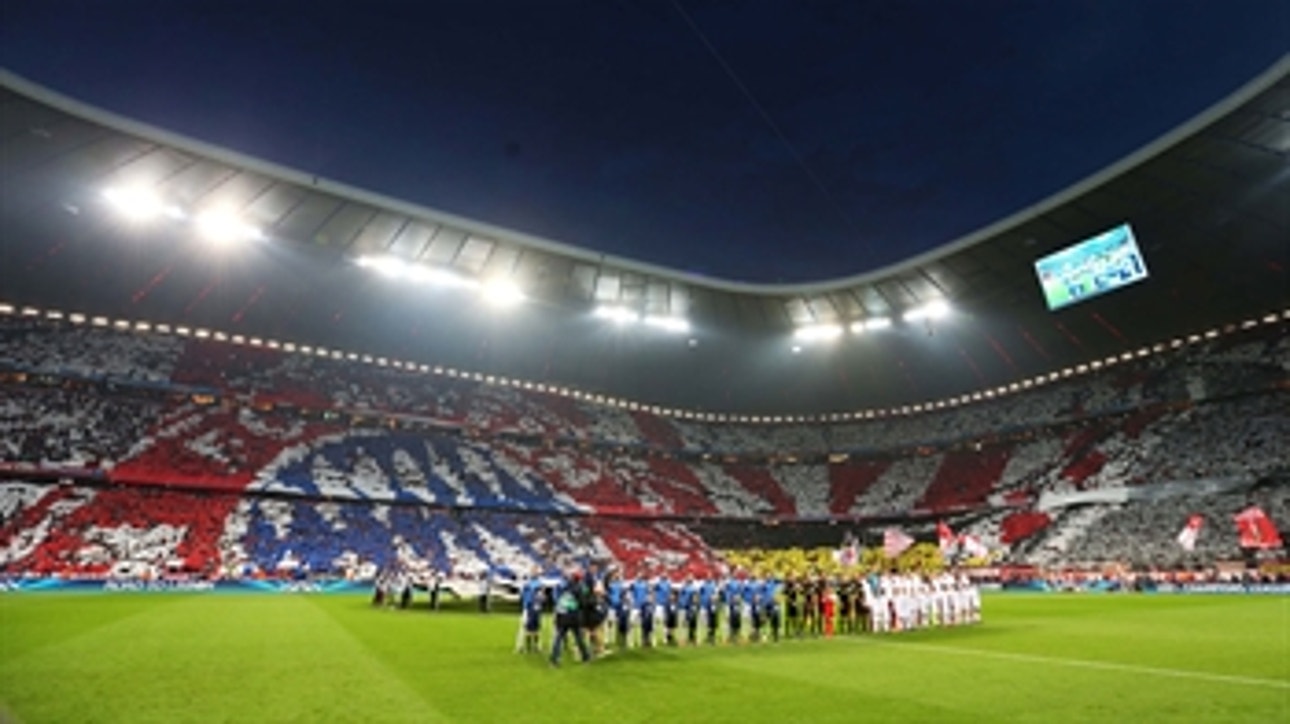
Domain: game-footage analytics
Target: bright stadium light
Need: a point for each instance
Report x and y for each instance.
(222, 226)
(817, 332)
(438, 276)
(135, 203)
(869, 325)
(937, 309)
(617, 315)
(675, 325)
(502, 293)
(384, 265)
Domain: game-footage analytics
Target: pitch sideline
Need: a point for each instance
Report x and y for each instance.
(1083, 663)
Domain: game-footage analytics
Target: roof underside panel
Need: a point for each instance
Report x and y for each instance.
(1209, 206)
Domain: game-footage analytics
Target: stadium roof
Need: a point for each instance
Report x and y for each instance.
(1209, 203)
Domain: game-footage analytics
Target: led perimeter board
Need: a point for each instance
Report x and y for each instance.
(1097, 265)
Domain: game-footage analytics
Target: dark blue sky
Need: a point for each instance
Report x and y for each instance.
(763, 141)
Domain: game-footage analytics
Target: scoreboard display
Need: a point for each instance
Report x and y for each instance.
(1094, 266)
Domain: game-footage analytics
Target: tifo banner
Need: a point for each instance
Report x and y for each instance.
(1158, 491)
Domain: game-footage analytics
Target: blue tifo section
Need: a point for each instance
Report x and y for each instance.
(34, 585)
(317, 535)
(395, 467)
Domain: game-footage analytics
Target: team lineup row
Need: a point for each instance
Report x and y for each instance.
(644, 613)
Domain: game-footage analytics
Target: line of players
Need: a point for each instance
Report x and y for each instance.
(644, 613)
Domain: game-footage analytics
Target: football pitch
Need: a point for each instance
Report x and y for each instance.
(310, 658)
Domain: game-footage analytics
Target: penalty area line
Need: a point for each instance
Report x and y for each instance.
(1088, 664)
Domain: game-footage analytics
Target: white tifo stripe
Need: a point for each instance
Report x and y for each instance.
(1085, 664)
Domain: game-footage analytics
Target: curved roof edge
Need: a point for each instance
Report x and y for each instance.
(150, 132)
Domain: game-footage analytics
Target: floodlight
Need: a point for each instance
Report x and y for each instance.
(871, 324)
(676, 325)
(135, 203)
(222, 226)
(935, 309)
(817, 332)
(437, 276)
(6, 309)
(384, 265)
(502, 293)
(617, 315)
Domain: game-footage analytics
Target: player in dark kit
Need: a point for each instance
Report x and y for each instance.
(793, 606)
(846, 604)
(810, 607)
(568, 618)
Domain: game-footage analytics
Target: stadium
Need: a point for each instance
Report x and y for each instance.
(323, 484)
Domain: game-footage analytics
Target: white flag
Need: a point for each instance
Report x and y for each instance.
(1187, 536)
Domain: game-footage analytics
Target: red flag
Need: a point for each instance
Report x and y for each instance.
(945, 538)
(1187, 536)
(895, 542)
(1256, 529)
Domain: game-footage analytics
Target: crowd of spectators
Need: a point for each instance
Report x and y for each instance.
(158, 409)
(81, 426)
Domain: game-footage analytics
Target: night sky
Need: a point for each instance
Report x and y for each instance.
(760, 141)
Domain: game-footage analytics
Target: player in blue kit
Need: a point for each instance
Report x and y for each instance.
(531, 590)
(623, 614)
(532, 620)
(647, 610)
(708, 602)
(671, 617)
(690, 609)
(734, 615)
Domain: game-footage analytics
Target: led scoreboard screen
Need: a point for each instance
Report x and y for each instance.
(1097, 265)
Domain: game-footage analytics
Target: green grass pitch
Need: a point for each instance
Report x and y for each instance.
(272, 658)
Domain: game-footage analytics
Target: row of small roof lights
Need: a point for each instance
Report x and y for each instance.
(123, 325)
(504, 292)
(625, 316)
(141, 205)
(811, 333)
(499, 291)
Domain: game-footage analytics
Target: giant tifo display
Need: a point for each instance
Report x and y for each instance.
(148, 455)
